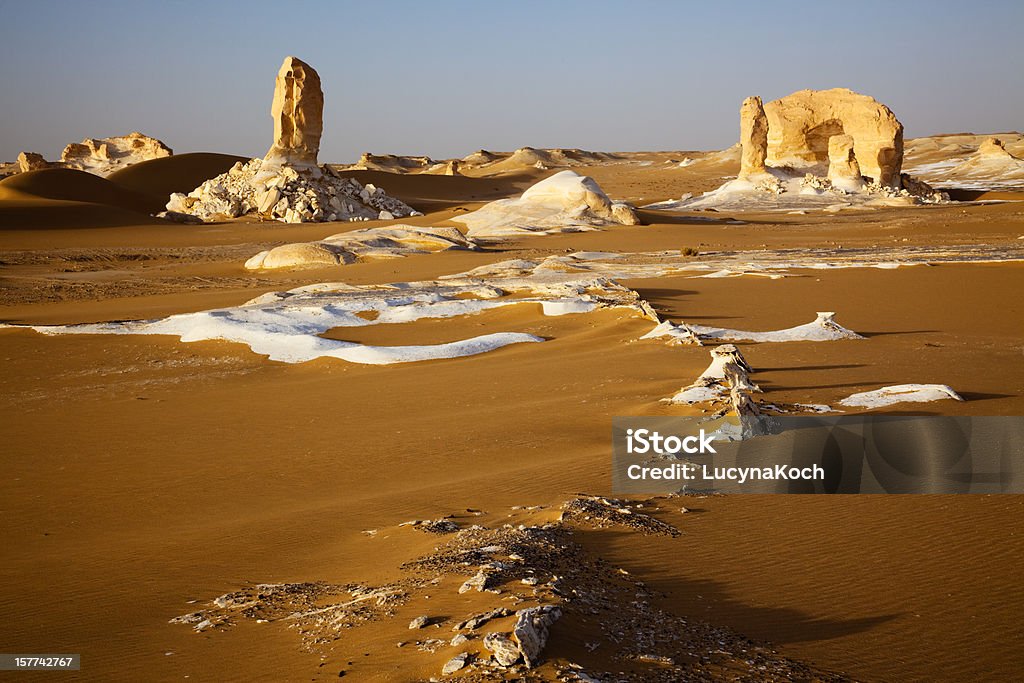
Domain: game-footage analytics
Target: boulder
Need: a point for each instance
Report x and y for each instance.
(800, 126)
(30, 161)
(454, 664)
(298, 255)
(753, 137)
(531, 631)
(298, 113)
(563, 202)
(506, 653)
(843, 169)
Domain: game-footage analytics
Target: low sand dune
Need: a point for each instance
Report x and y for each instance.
(61, 184)
(157, 179)
(64, 198)
(68, 198)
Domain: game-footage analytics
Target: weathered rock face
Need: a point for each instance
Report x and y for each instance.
(30, 161)
(103, 156)
(800, 126)
(753, 137)
(843, 169)
(298, 113)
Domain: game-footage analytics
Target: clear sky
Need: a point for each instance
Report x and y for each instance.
(445, 78)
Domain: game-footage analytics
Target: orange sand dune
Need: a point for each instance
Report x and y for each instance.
(157, 179)
(63, 184)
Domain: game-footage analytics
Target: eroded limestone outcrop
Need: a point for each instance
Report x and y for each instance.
(288, 184)
(31, 161)
(100, 156)
(993, 147)
(105, 155)
(298, 113)
(828, 149)
(753, 137)
(800, 125)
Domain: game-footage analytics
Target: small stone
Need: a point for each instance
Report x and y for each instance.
(506, 653)
(455, 663)
(419, 622)
(478, 581)
(269, 200)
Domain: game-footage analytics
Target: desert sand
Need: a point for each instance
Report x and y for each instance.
(205, 502)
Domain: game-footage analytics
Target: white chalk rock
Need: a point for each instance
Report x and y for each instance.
(300, 255)
(531, 631)
(564, 202)
(900, 393)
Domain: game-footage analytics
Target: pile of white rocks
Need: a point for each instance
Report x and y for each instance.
(288, 194)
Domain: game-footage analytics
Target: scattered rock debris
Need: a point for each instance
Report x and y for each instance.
(544, 577)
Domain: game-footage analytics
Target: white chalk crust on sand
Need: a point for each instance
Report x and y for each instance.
(770, 264)
(900, 393)
(286, 326)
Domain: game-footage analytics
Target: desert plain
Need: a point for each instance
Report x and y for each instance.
(209, 503)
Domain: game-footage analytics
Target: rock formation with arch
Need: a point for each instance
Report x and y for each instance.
(826, 149)
(801, 125)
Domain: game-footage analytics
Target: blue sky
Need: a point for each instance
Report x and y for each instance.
(447, 78)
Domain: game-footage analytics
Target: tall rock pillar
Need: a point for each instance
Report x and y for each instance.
(298, 113)
(753, 137)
